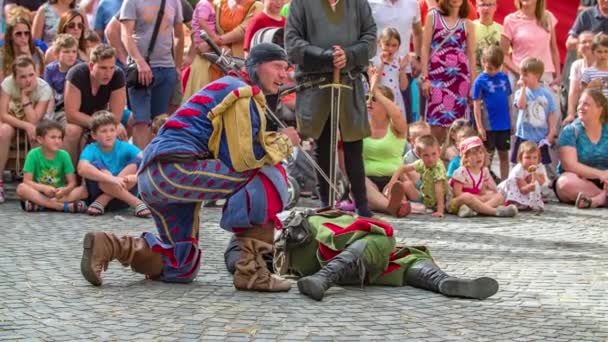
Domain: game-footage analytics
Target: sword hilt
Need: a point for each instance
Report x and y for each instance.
(336, 76)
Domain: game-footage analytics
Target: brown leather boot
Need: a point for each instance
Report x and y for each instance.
(251, 270)
(100, 248)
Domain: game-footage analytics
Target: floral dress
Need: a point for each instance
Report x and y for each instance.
(448, 73)
(390, 78)
(532, 200)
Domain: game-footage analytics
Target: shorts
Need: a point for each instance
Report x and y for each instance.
(95, 191)
(545, 157)
(148, 103)
(380, 181)
(498, 140)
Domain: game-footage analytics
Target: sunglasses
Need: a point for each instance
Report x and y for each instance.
(371, 98)
(80, 26)
(22, 33)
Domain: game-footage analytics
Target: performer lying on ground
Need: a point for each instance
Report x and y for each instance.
(214, 146)
(334, 247)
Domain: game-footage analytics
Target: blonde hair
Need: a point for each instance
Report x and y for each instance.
(158, 122)
(454, 128)
(386, 91)
(418, 129)
(64, 41)
(533, 65)
(389, 33)
(465, 159)
(527, 147)
(425, 141)
(540, 12)
(102, 118)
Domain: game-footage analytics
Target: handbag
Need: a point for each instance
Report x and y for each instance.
(132, 75)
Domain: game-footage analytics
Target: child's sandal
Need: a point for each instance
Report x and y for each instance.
(142, 211)
(31, 207)
(95, 209)
(76, 207)
(583, 201)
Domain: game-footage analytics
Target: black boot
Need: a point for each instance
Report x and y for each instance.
(347, 265)
(426, 275)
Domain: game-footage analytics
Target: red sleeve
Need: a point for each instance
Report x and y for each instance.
(472, 11)
(424, 9)
(251, 29)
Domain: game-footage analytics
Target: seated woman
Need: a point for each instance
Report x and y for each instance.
(18, 42)
(583, 168)
(383, 152)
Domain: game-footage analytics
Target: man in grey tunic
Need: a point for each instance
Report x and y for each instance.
(321, 35)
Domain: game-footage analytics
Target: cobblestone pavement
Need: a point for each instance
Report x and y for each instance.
(552, 270)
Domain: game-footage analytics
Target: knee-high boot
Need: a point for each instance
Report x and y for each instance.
(251, 270)
(348, 265)
(426, 275)
(100, 248)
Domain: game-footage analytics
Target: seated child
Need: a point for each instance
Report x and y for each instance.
(432, 173)
(473, 191)
(92, 39)
(461, 134)
(65, 47)
(49, 180)
(524, 185)
(415, 130)
(109, 167)
(449, 149)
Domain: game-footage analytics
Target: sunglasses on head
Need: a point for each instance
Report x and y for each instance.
(75, 25)
(22, 33)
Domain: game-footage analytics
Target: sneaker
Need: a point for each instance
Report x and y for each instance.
(508, 211)
(466, 211)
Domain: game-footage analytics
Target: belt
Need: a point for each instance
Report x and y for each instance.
(181, 158)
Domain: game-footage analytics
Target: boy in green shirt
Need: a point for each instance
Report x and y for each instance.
(47, 169)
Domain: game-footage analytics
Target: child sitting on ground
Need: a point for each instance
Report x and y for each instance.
(433, 185)
(461, 134)
(415, 130)
(449, 149)
(524, 185)
(109, 167)
(46, 171)
(473, 191)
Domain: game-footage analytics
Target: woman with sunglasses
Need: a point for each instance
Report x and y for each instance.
(18, 42)
(46, 21)
(383, 150)
(72, 23)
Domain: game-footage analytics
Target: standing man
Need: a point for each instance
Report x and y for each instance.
(321, 36)
(158, 72)
(404, 15)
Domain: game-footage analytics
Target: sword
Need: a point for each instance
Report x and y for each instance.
(334, 119)
(224, 62)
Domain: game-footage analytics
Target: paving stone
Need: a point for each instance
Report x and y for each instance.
(551, 270)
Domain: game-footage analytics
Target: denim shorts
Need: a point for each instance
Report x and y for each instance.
(147, 103)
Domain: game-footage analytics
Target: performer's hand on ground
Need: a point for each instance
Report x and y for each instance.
(339, 57)
(292, 134)
(144, 73)
(438, 214)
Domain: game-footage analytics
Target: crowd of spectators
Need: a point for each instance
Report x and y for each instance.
(84, 81)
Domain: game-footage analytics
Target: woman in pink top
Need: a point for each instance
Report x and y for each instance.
(530, 32)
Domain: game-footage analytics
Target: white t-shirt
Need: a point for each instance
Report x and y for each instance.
(43, 92)
(401, 14)
(577, 69)
(518, 172)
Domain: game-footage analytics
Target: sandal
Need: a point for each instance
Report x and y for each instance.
(405, 209)
(31, 207)
(76, 207)
(583, 201)
(142, 211)
(95, 209)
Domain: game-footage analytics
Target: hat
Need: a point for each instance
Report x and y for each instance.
(262, 53)
(468, 144)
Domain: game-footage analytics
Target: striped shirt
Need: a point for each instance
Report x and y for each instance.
(592, 74)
